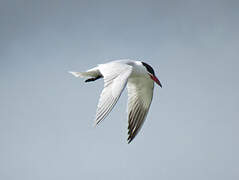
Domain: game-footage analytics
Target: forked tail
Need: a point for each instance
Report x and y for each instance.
(79, 74)
(94, 73)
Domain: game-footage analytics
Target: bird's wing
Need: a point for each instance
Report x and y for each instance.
(115, 78)
(140, 94)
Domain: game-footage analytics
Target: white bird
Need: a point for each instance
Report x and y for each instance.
(139, 78)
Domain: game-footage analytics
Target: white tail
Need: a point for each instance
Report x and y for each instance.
(79, 74)
(94, 72)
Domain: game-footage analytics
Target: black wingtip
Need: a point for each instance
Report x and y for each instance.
(130, 138)
(129, 141)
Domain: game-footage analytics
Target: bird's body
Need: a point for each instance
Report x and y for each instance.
(139, 78)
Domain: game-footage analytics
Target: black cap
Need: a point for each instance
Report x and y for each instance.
(149, 68)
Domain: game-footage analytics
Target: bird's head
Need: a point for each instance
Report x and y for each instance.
(150, 72)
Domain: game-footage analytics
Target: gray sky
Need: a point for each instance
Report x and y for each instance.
(46, 114)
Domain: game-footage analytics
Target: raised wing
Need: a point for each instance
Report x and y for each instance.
(115, 79)
(140, 94)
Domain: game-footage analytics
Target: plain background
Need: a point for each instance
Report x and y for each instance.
(46, 114)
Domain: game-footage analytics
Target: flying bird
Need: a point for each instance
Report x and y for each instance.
(139, 77)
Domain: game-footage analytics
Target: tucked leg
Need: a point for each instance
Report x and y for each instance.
(93, 79)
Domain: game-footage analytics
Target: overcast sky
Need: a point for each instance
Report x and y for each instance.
(46, 114)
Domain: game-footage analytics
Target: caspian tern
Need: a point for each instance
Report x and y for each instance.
(139, 78)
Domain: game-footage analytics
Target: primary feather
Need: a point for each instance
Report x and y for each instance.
(140, 84)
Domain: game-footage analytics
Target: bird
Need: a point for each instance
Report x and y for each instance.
(138, 76)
